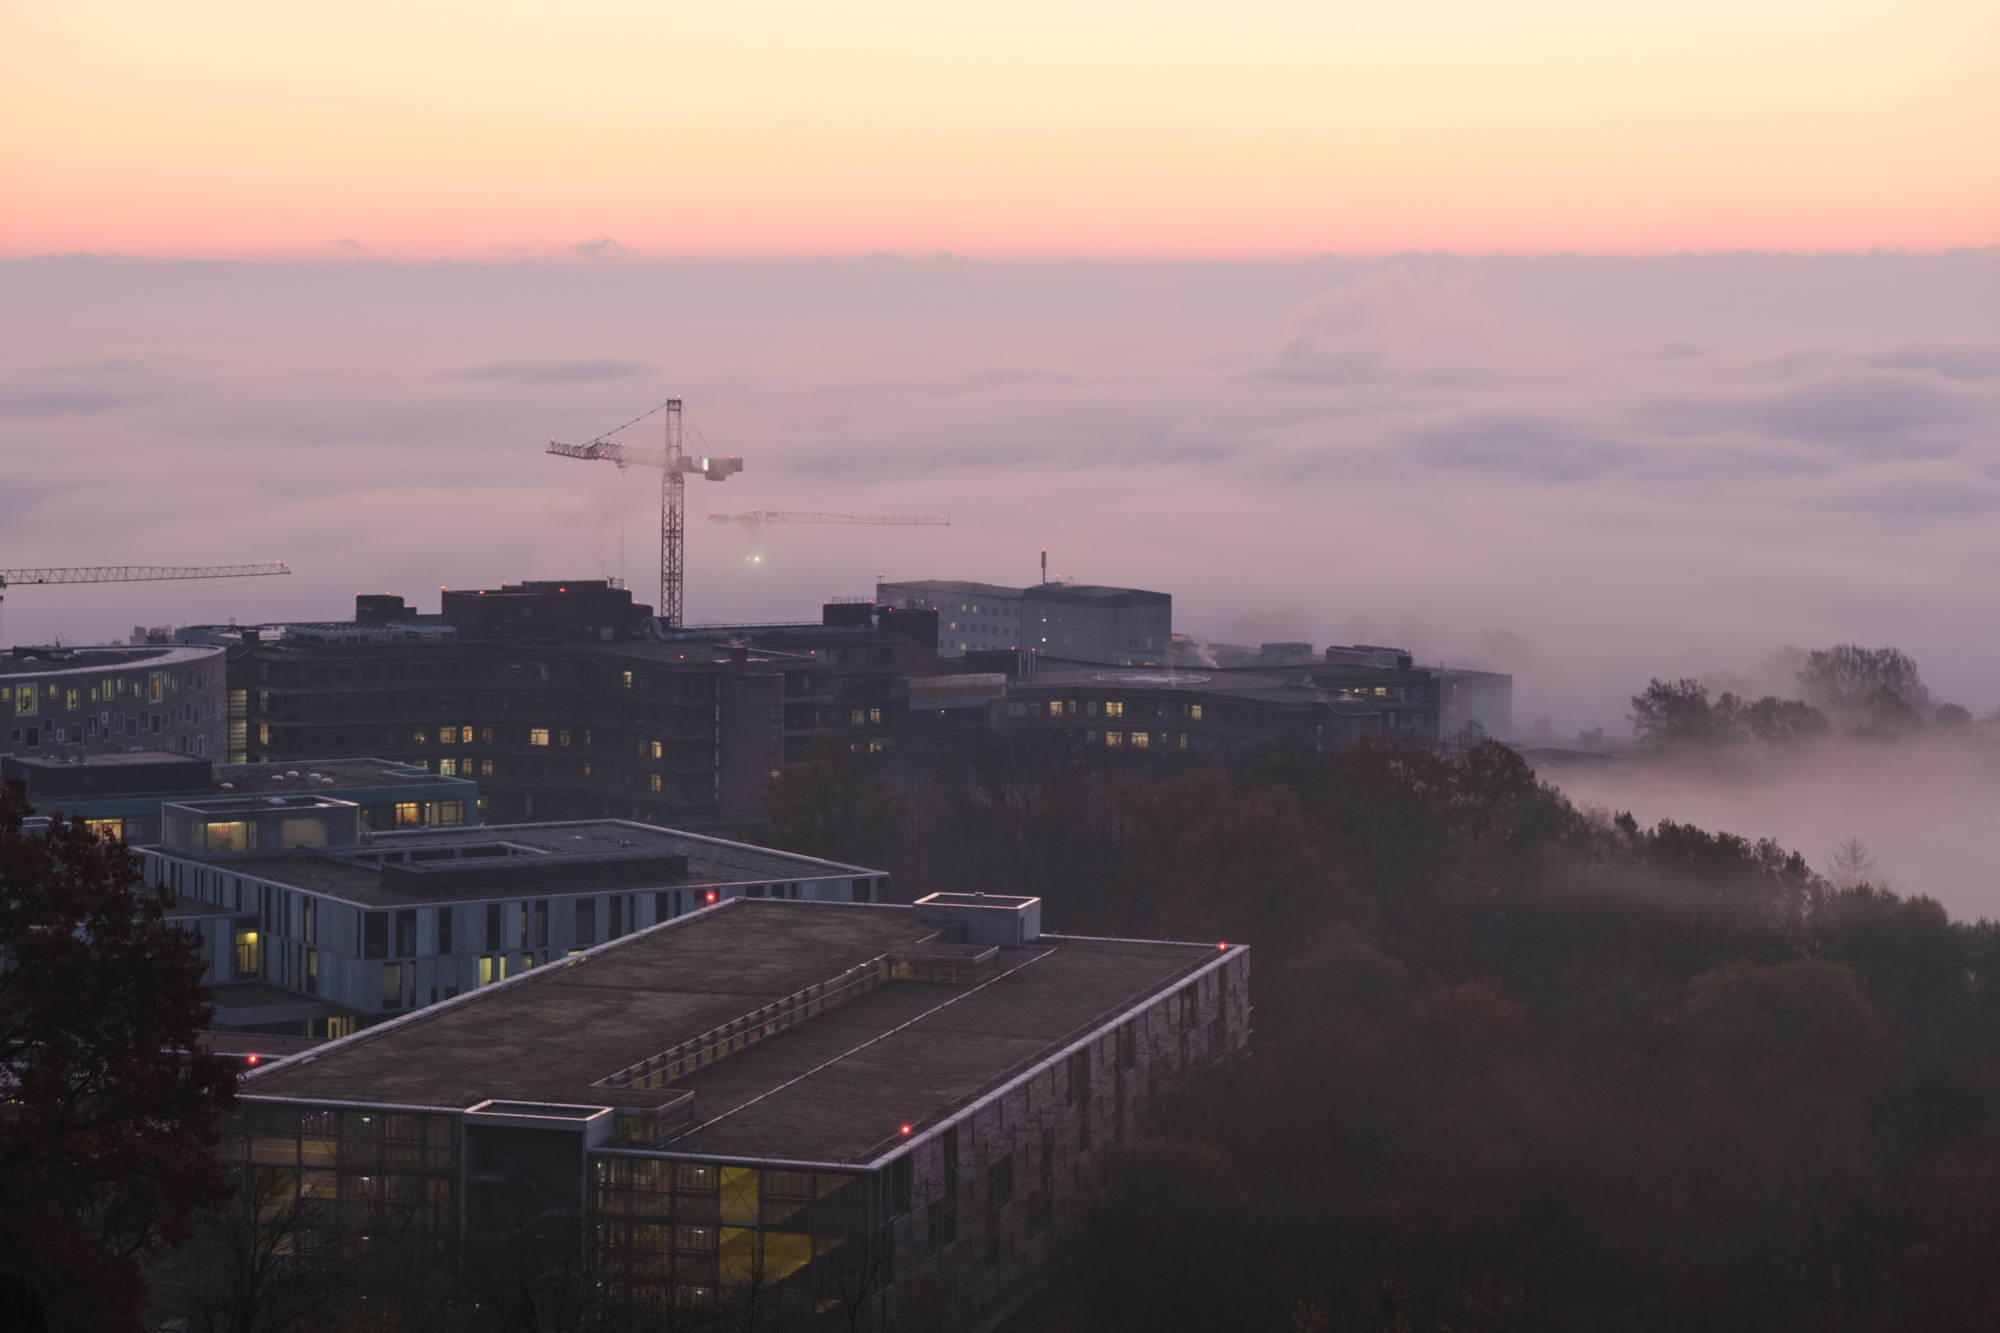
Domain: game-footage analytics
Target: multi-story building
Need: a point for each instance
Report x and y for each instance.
(1121, 626)
(1318, 704)
(77, 701)
(565, 700)
(121, 795)
(782, 1114)
(311, 922)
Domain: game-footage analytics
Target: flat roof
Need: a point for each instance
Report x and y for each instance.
(58, 661)
(346, 774)
(833, 1088)
(1281, 686)
(582, 857)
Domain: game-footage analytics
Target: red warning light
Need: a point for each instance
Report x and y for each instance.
(711, 895)
(251, 1058)
(906, 1129)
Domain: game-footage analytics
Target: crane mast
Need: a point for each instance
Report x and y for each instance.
(673, 521)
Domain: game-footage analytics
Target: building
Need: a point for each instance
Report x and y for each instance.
(1120, 626)
(77, 701)
(122, 794)
(568, 701)
(312, 923)
(832, 1115)
(1321, 705)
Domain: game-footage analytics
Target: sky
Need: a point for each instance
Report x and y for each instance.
(1164, 129)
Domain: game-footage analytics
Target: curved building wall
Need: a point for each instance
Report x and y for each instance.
(57, 702)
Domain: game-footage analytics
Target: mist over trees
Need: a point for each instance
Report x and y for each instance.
(1517, 1065)
(1869, 690)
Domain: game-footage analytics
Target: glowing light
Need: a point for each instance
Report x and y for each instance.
(1223, 947)
(253, 1059)
(906, 1129)
(711, 895)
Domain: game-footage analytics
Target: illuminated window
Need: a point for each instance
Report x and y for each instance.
(155, 688)
(1141, 739)
(448, 768)
(421, 736)
(586, 768)
(875, 715)
(625, 679)
(654, 782)
(71, 701)
(392, 985)
(1184, 740)
(447, 813)
(24, 699)
(538, 736)
(1194, 712)
(856, 716)
(486, 768)
(237, 836)
(1114, 738)
(246, 951)
(1114, 708)
(409, 814)
(562, 737)
(654, 749)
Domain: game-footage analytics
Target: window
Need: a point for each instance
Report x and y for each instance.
(861, 891)
(392, 985)
(1114, 738)
(1140, 739)
(562, 737)
(1000, 1181)
(1190, 1002)
(1128, 1046)
(24, 699)
(625, 679)
(617, 905)
(493, 928)
(1194, 711)
(447, 768)
(538, 736)
(70, 700)
(406, 933)
(486, 768)
(875, 716)
(444, 930)
(586, 921)
(375, 935)
(541, 926)
(409, 814)
(246, 949)
(901, 1176)
(653, 748)
(1114, 708)
(1077, 1082)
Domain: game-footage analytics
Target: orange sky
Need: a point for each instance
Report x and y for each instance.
(1246, 129)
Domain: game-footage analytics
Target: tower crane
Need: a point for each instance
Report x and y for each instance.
(675, 468)
(131, 574)
(758, 516)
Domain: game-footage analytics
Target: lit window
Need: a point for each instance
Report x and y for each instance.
(562, 737)
(875, 715)
(625, 679)
(1114, 738)
(538, 736)
(246, 951)
(856, 716)
(654, 748)
(1141, 739)
(409, 814)
(654, 784)
(420, 735)
(486, 768)
(24, 698)
(1114, 708)
(448, 768)
(1195, 712)
(70, 700)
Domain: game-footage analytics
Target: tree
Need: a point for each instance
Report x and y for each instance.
(838, 803)
(105, 1145)
(1677, 711)
(1844, 679)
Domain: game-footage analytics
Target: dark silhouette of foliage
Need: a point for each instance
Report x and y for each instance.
(111, 1105)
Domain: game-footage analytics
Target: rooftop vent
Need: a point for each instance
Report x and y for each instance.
(984, 918)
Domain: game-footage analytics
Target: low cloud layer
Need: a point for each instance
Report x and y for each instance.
(1591, 471)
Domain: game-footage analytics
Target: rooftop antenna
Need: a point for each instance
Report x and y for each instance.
(1045, 564)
